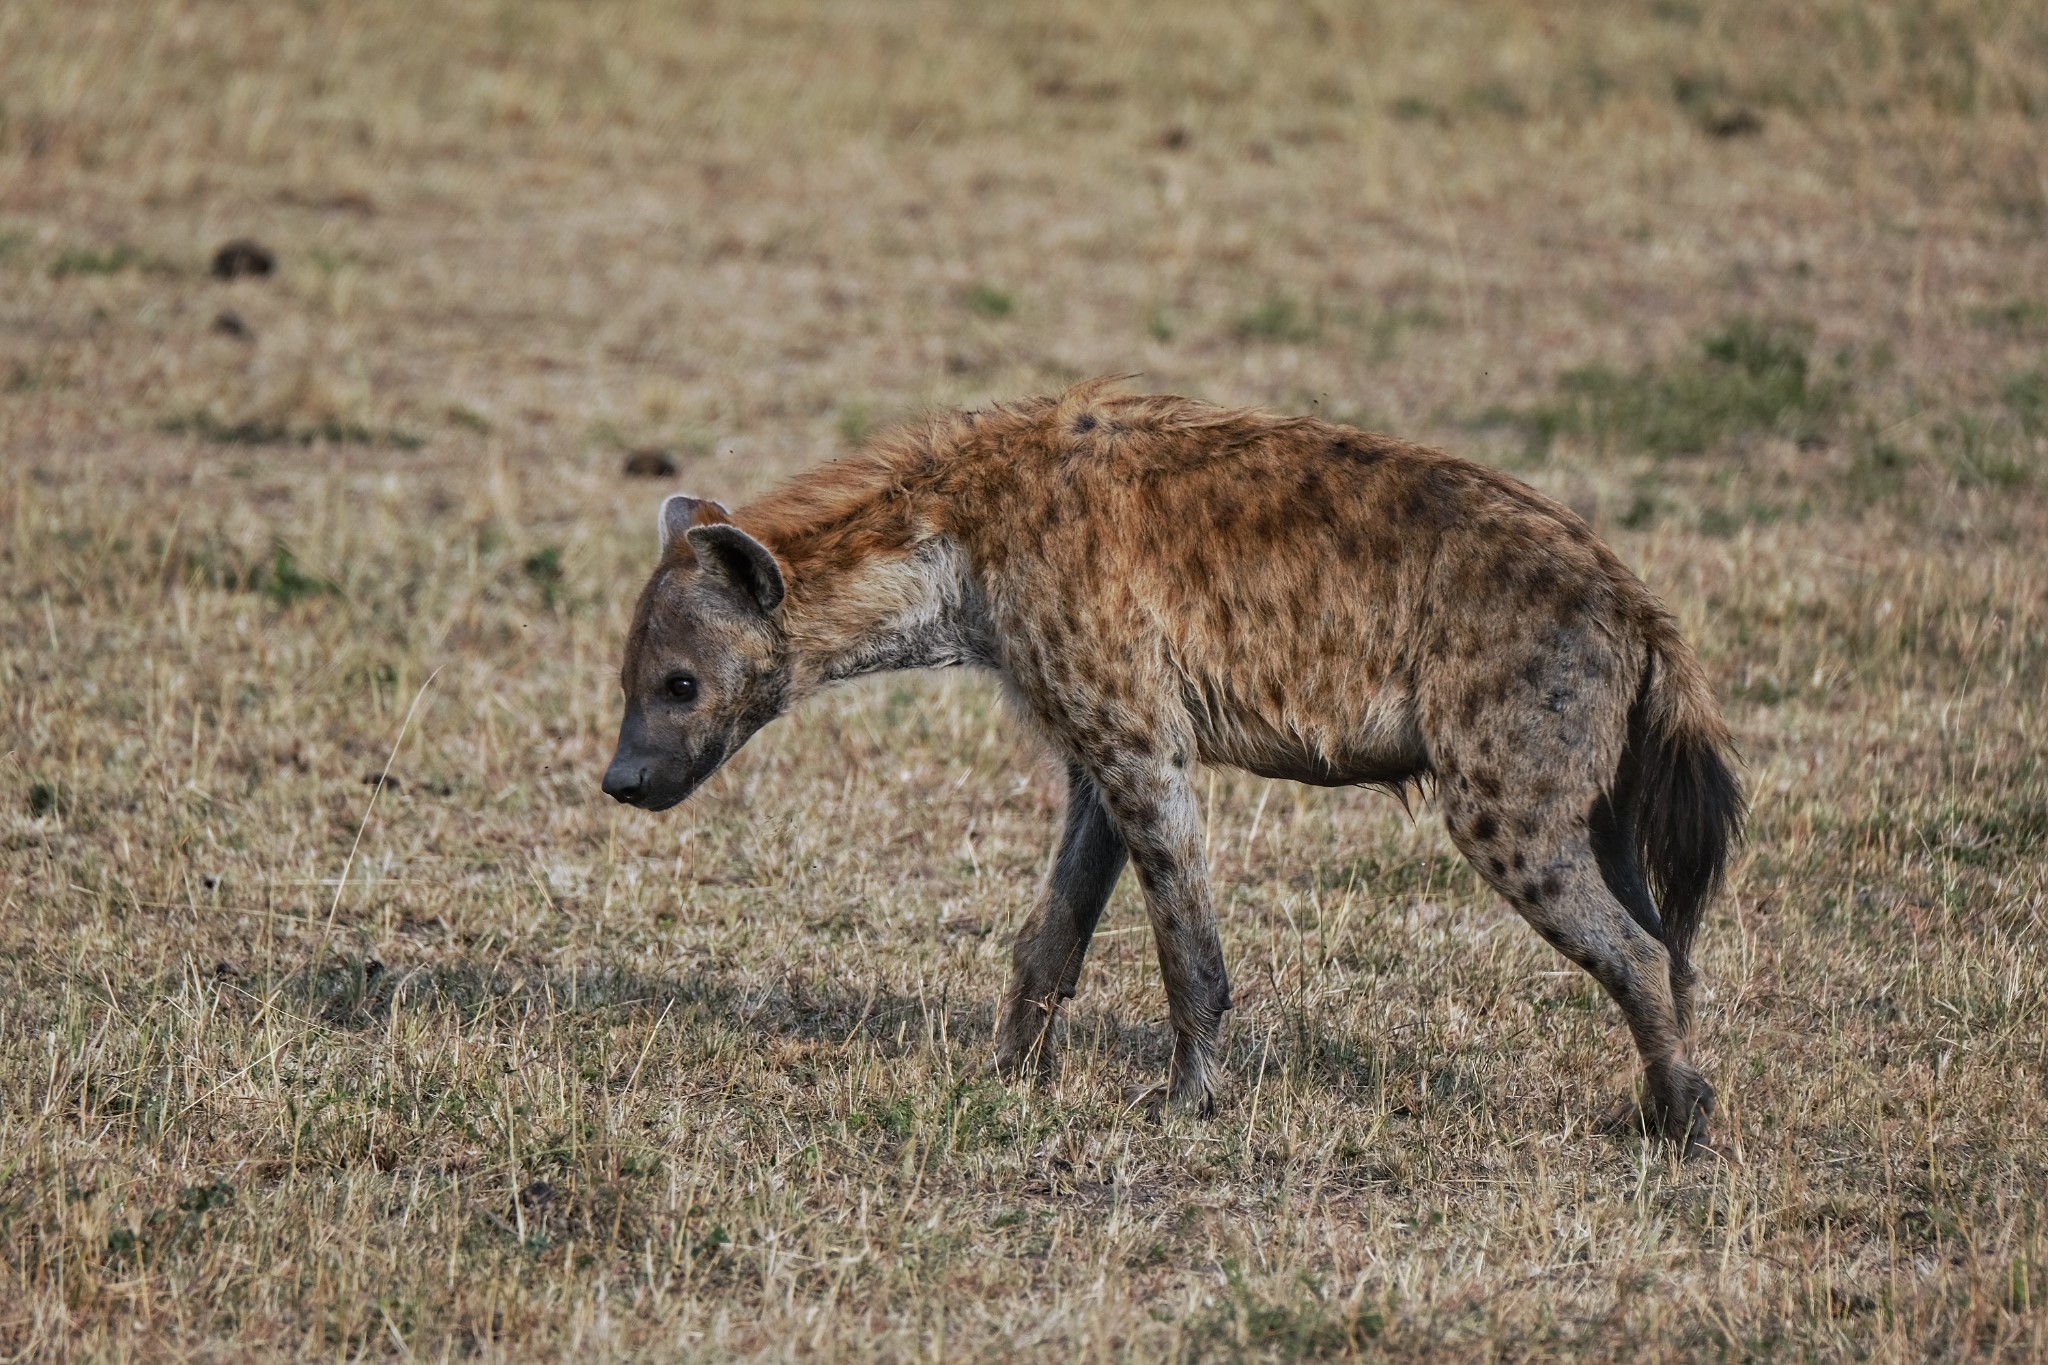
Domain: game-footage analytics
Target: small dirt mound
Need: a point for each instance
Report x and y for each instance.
(650, 464)
(243, 258)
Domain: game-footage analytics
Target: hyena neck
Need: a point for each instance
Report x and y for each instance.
(883, 603)
(919, 609)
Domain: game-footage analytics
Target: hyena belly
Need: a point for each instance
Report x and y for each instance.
(1379, 744)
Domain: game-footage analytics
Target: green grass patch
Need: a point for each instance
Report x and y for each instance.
(1751, 378)
(1383, 331)
(1727, 519)
(1984, 452)
(278, 576)
(1415, 109)
(1244, 1323)
(284, 582)
(1640, 514)
(1279, 318)
(543, 568)
(1495, 98)
(856, 424)
(114, 260)
(87, 261)
(2026, 397)
(261, 432)
(985, 300)
(1877, 470)
(2022, 317)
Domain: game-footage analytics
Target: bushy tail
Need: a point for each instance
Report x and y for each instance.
(1676, 808)
(1678, 795)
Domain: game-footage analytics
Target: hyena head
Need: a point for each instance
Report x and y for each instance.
(706, 660)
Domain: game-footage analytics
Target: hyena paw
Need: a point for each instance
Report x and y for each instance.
(1160, 1098)
(1024, 1044)
(1179, 1095)
(1149, 1100)
(1679, 1108)
(1676, 1107)
(1035, 1064)
(1195, 1090)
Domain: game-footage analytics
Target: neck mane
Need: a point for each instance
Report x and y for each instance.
(874, 583)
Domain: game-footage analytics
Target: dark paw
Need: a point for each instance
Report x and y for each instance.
(1679, 1111)
(1035, 1063)
(1622, 1118)
(1194, 1091)
(1149, 1100)
(1157, 1100)
(1024, 1044)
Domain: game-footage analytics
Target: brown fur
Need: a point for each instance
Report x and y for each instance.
(1161, 583)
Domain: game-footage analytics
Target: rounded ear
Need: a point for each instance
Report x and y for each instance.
(750, 566)
(679, 512)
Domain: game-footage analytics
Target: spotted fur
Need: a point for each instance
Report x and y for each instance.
(1163, 583)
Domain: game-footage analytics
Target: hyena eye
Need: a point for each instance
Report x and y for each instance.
(682, 687)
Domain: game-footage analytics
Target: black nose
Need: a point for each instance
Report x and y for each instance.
(625, 781)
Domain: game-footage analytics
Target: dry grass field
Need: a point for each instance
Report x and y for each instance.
(477, 1064)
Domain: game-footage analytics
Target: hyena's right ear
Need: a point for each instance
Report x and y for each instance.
(679, 512)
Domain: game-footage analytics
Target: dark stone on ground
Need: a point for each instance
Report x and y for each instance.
(650, 464)
(1732, 123)
(243, 258)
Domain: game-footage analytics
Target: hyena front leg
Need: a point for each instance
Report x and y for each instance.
(1153, 805)
(1046, 962)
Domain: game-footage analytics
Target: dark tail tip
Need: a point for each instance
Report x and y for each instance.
(1689, 810)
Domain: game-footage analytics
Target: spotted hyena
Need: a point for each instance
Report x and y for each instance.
(1162, 583)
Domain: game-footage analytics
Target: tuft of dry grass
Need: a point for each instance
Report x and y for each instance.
(299, 1060)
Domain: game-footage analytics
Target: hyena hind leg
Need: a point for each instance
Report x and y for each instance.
(1046, 961)
(1548, 871)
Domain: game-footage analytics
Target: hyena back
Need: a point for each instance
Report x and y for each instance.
(1162, 583)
